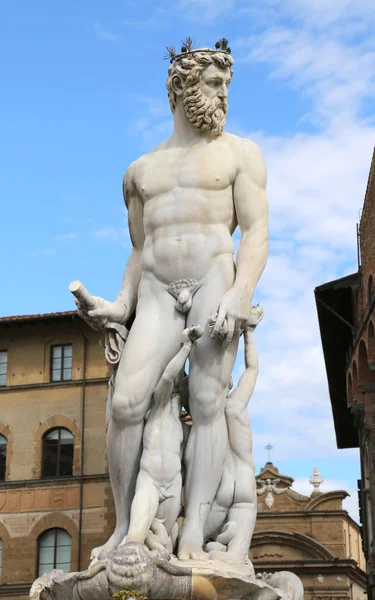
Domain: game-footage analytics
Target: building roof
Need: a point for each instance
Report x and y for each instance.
(40, 317)
(270, 470)
(334, 303)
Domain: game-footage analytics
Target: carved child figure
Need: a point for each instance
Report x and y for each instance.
(235, 503)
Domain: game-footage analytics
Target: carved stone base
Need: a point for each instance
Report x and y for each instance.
(133, 571)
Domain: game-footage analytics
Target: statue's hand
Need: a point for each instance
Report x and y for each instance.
(192, 334)
(103, 312)
(232, 314)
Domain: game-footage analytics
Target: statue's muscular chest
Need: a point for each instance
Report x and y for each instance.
(203, 168)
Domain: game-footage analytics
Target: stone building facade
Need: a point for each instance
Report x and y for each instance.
(312, 536)
(346, 312)
(55, 498)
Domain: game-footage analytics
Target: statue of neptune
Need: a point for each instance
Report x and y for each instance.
(185, 198)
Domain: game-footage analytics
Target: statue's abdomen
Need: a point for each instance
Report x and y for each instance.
(186, 230)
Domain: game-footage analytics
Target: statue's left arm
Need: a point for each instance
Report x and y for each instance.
(251, 206)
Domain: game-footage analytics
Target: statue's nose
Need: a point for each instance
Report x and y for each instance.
(223, 92)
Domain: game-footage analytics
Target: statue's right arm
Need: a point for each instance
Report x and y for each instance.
(132, 275)
(120, 310)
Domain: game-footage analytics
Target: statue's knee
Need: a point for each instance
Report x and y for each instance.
(126, 409)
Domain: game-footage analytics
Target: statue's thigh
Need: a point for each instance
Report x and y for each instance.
(153, 340)
(245, 487)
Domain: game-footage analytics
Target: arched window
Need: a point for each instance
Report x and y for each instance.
(54, 551)
(355, 378)
(1, 556)
(365, 374)
(3, 457)
(370, 286)
(350, 388)
(58, 450)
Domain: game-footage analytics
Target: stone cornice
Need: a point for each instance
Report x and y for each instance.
(335, 495)
(14, 589)
(59, 481)
(53, 384)
(302, 515)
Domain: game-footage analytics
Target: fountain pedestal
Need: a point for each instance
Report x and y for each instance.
(134, 571)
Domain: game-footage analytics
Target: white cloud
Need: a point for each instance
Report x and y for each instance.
(159, 20)
(50, 251)
(333, 13)
(60, 241)
(204, 9)
(106, 233)
(71, 235)
(323, 49)
(336, 76)
(150, 106)
(104, 34)
(119, 235)
(317, 182)
(152, 121)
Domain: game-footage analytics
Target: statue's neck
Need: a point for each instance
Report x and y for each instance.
(184, 133)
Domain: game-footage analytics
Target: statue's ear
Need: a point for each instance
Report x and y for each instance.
(177, 85)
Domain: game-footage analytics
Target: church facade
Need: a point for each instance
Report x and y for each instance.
(312, 536)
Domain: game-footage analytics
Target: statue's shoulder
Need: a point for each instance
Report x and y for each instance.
(143, 160)
(248, 157)
(159, 147)
(242, 144)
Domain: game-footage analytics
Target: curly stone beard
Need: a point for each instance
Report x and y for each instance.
(207, 115)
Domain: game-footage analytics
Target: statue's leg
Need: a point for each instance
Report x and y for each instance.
(244, 508)
(221, 503)
(170, 507)
(211, 364)
(242, 512)
(143, 509)
(153, 340)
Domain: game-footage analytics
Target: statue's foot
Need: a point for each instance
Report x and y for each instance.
(191, 549)
(186, 554)
(101, 552)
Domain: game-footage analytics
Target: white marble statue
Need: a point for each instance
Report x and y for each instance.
(185, 199)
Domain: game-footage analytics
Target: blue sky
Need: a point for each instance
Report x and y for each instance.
(83, 94)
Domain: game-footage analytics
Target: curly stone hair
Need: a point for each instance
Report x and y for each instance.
(190, 67)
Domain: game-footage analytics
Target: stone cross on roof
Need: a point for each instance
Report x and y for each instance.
(269, 448)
